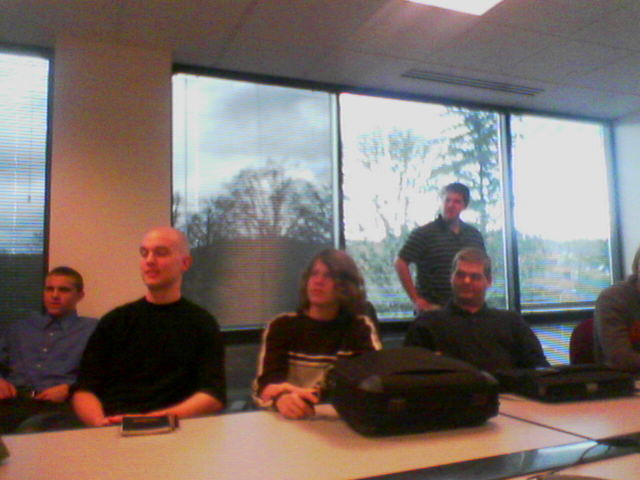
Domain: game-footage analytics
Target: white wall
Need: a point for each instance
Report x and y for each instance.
(627, 147)
(111, 163)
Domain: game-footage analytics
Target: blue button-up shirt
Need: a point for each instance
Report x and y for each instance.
(43, 351)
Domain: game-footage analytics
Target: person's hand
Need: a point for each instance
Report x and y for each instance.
(57, 393)
(423, 305)
(297, 404)
(101, 421)
(158, 413)
(274, 390)
(7, 390)
(111, 420)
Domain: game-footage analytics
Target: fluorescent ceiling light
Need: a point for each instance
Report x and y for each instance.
(475, 7)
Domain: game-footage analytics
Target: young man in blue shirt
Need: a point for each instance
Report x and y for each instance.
(41, 354)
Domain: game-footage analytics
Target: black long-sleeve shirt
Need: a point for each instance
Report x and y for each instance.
(490, 339)
(143, 357)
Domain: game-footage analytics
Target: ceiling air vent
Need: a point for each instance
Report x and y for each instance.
(472, 82)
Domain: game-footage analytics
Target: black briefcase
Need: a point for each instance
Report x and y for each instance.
(567, 382)
(408, 390)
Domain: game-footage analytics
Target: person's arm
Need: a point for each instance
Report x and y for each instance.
(294, 402)
(270, 388)
(481, 241)
(5, 369)
(89, 409)
(273, 361)
(404, 274)
(365, 335)
(613, 314)
(528, 350)
(419, 335)
(200, 403)
(94, 367)
(210, 394)
(57, 393)
(7, 389)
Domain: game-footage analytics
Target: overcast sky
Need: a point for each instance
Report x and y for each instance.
(233, 125)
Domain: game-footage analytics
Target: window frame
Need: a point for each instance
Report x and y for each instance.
(512, 287)
(48, 55)
(615, 251)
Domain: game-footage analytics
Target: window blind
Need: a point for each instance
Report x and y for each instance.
(23, 142)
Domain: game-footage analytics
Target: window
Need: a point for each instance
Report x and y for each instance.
(561, 212)
(253, 189)
(23, 146)
(259, 188)
(397, 155)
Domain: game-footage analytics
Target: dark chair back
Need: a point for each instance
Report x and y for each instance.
(581, 343)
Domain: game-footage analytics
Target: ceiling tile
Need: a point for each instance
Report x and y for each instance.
(621, 77)
(407, 30)
(492, 47)
(308, 23)
(582, 49)
(270, 58)
(203, 29)
(360, 69)
(588, 102)
(40, 21)
(557, 62)
(619, 29)
(611, 106)
(560, 17)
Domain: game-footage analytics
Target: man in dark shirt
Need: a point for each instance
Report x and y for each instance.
(467, 329)
(158, 355)
(41, 354)
(432, 247)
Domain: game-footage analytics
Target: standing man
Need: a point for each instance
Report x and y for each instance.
(432, 248)
(467, 329)
(158, 355)
(42, 353)
(617, 322)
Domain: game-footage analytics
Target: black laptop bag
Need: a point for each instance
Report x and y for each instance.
(408, 390)
(567, 382)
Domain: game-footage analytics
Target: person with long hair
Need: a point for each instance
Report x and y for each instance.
(298, 348)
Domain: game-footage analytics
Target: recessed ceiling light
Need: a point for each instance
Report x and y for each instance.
(475, 7)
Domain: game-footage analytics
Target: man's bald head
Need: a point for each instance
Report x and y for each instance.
(177, 237)
(165, 257)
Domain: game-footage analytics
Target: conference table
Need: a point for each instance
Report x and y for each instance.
(263, 445)
(622, 468)
(590, 419)
(594, 419)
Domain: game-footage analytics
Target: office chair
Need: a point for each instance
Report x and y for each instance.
(581, 343)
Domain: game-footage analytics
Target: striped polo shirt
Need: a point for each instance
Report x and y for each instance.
(432, 248)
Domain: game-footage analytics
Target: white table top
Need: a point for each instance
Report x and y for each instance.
(621, 468)
(593, 419)
(260, 445)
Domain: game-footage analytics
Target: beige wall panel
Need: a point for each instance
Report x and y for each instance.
(111, 163)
